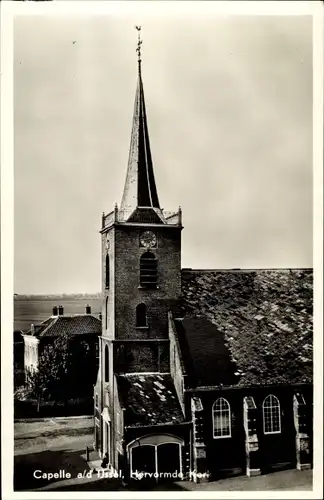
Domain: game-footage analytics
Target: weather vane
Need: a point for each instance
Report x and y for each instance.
(139, 43)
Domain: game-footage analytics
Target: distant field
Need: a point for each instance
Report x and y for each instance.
(29, 311)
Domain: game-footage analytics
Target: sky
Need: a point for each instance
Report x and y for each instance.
(229, 105)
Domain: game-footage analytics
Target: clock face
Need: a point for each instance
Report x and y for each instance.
(148, 239)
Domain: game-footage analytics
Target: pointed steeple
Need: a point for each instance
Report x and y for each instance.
(140, 189)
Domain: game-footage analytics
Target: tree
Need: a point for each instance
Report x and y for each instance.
(51, 380)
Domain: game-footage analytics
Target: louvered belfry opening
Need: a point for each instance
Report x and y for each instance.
(148, 270)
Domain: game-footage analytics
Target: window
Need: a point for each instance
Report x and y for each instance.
(271, 415)
(221, 418)
(148, 270)
(106, 316)
(107, 271)
(106, 364)
(141, 315)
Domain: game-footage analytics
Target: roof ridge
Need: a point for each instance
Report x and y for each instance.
(50, 324)
(201, 270)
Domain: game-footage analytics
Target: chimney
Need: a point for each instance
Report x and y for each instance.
(88, 309)
(55, 311)
(60, 310)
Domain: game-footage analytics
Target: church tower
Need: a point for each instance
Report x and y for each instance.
(141, 268)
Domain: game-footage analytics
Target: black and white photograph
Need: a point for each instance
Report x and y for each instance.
(163, 232)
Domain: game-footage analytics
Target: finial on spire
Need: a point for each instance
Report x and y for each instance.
(138, 48)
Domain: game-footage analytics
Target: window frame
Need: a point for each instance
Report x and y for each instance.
(271, 409)
(141, 312)
(152, 270)
(221, 411)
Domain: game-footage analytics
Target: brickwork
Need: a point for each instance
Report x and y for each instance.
(141, 357)
(127, 290)
(249, 449)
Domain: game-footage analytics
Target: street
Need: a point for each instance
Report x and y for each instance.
(50, 455)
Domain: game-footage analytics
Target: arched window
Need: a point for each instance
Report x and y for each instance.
(107, 271)
(221, 418)
(271, 415)
(141, 315)
(106, 314)
(148, 270)
(106, 364)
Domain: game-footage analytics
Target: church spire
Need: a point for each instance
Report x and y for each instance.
(140, 189)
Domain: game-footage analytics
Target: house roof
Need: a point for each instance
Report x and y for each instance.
(69, 325)
(261, 318)
(149, 399)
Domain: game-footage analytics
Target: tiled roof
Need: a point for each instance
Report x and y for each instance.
(68, 325)
(149, 399)
(206, 357)
(42, 326)
(264, 317)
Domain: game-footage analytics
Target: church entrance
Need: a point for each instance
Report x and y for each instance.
(156, 458)
(168, 461)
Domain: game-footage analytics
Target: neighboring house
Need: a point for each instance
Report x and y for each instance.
(205, 372)
(79, 328)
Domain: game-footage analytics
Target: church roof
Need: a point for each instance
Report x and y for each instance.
(257, 325)
(149, 399)
(82, 324)
(207, 359)
(140, 189)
